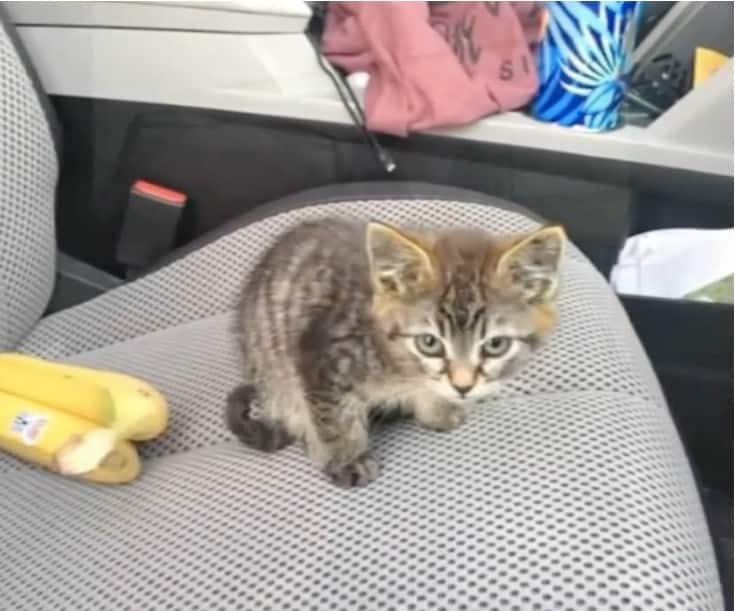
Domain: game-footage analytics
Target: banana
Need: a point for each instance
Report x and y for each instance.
(76, 420)
(132, 408)
(51, 385)
(65, 443)
(141, 412)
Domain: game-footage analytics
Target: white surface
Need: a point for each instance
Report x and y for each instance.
(703, 118)
(672, 263)
(251, 16)
(278, 75)
(358, 82)
(198, 69)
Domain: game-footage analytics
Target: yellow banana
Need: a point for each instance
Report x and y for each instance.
(76, 420)
(141, 412)
(132, 408)
(64, 442)
(53, 386)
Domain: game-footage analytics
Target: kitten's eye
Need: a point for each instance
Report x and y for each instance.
(429, 345)
(496, 346)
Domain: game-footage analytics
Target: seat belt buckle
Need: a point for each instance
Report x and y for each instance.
(150, 225)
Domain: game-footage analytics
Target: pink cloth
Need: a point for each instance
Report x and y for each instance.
(434, 64)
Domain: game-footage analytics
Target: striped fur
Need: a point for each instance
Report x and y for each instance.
(338, 318)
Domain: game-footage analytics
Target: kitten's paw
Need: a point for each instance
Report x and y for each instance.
(360, 472)
(440, 416)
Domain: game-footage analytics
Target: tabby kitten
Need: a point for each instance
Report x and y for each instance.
(341, 318)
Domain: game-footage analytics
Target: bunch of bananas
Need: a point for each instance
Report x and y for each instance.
(75, 420)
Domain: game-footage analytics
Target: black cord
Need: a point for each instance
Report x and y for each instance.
(354, 109)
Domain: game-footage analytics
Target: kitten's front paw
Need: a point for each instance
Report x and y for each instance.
(440, 416)
(360, 472)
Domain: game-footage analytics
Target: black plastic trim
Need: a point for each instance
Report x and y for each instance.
(341, 193)
(77, 282)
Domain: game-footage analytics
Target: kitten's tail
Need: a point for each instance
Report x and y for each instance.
(266, 436)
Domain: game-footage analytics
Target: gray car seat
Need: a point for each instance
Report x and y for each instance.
(570, 490)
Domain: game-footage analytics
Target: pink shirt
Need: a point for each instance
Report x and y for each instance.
(436, 64)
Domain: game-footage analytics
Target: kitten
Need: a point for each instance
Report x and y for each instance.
(340, 318)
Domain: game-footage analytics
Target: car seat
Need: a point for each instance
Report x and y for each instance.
(568, 490)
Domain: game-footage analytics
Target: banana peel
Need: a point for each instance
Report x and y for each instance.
(77, 421)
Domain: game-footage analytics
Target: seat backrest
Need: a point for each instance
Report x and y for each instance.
(28, 176)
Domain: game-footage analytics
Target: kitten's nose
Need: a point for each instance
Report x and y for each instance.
(462, 390)
(462, 378)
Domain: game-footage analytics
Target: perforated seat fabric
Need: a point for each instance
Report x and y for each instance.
(28, 173)
(568, 490)
(498, 515)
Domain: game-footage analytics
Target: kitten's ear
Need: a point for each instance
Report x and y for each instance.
(532, 263)
(399, 266)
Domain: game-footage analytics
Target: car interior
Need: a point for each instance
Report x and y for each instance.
(149, 154)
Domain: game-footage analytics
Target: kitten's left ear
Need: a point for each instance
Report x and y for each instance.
(533, 262)
(399, 266)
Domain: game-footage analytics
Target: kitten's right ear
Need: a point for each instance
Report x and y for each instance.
(399, 267)
(532, 263)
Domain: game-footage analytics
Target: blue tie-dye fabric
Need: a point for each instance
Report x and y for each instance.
(584, 61)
